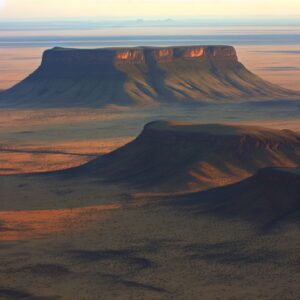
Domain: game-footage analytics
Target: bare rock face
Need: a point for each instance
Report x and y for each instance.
(195, 52)
(140, 76)
(135, 55)
(164, 55)
(130, 56)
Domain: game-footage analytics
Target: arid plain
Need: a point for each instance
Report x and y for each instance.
(85, 238)
(171, 201)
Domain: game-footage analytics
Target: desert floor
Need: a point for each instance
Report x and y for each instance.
(107, 244)
(157, 251)
(47, 140)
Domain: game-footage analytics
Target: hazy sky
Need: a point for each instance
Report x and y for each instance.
(12, 9)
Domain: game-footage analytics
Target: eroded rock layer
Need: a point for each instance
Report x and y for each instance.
(136, 55)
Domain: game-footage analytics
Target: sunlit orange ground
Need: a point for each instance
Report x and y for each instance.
(24, 154)
(27, 119)
(43, 157)
(23, 225)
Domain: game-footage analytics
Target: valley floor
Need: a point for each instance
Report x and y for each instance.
(107, 244)
(54, 139)
(157, 251)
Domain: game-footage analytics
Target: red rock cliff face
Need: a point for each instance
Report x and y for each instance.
(194, 52)
(130, 56)
(168, 54)
(143, 55)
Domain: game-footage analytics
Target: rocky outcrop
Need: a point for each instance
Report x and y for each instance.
(195, 52)
(137, 55)
(130, 56)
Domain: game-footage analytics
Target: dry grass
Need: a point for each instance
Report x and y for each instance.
(19, 118)
(151, 250)
(18, 163)
(36, 152)
(17, 158)
(24, 225)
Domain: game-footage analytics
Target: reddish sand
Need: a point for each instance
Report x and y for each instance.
(24, 225)
(41, 156)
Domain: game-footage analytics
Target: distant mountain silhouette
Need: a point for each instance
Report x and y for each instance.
(140, 76)
(175, 157)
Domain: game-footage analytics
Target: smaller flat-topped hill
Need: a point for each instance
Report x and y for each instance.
(173, 156)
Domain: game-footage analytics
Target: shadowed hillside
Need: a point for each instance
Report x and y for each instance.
(140, 76)
(167, 157)
(269, 197)
(171, 156)
(179, 248)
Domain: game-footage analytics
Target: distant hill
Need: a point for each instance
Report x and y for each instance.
(140, 76)
(175, 157)
(269, 197)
